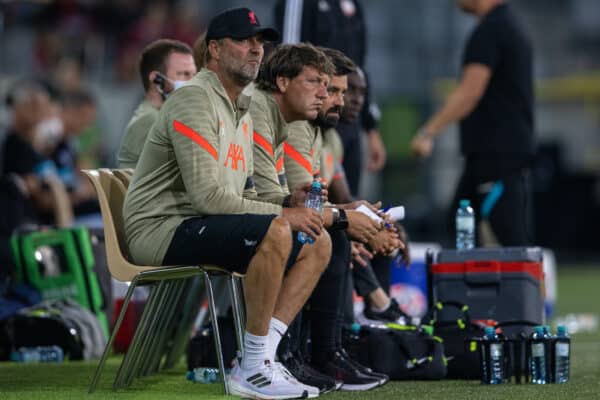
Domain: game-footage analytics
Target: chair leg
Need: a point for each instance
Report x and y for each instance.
(190, 306)
(128, 368)
(109, 344)
(216, 333)
(237, 317)
(159, 350)
(143, 350)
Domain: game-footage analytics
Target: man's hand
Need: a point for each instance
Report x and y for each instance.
(376, 152)
(404, 251)
(359, 252)
(385, 242)
(422, 144)
(304, 220)
(361, 227)
(355, 204)
(298, 196)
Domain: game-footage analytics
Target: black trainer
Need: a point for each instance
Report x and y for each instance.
(341, 369)
(307, 374)
(391, 314)
(383, 378)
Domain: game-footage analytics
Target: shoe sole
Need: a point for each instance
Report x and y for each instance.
(237, 390)
(359, 387)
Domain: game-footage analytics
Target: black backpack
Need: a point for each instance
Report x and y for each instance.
(401, 352)
(461, 339)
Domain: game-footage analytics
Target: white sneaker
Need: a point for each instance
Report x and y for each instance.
(311, 390)
(267, 381)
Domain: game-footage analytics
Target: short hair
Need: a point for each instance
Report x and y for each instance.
(288, 61)
(343, 65)
(154, 57)
(22, 89)
(77, 98)
(201, 54)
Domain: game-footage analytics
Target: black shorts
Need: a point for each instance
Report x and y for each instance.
(227, 241)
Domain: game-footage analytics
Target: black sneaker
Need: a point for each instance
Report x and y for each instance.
(307, 374)
(383, 378)
(340, 368)
(391, 314)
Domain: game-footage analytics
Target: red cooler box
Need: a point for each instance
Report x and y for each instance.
(502, 284)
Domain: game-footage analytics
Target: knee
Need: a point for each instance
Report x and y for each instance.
(279, 238)
(322, 249)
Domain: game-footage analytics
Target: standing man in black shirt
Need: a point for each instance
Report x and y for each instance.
(494, 103)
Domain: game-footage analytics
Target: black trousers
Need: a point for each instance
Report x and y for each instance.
(511, 215)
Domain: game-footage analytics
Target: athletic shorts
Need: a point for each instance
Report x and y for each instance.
(227, 241)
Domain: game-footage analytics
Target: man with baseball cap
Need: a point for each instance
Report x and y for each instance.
(192, 201)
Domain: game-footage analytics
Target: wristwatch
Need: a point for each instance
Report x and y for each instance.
(340, 220)
(335, 216)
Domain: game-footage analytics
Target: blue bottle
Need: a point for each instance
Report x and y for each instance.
(465, 226)
(492, 358)
(38, 354)
(562, 355)
(203, 375)
(314, 201)
(537, 345)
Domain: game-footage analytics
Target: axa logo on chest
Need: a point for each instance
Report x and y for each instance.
(235, 154)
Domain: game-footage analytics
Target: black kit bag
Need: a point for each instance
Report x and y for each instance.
(401, 352)
(201, 349)
(461, 339)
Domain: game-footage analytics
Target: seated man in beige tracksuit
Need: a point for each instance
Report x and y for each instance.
(192, 201)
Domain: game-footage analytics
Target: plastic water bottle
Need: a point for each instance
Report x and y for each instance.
(562, 355)
(538, 356)
(314, 201)
(465, 226)
(38, 354)
(492, 358)
(203, 375)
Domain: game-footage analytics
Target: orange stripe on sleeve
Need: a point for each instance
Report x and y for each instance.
(279, 164)
(262, 142)
(296, 156)
(186, 131)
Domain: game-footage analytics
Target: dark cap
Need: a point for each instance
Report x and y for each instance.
(238, 23)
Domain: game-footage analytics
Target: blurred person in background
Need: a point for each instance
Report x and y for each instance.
(164, 66)
(350, 128)
(341, 25)
(494, 103)
(77, 113)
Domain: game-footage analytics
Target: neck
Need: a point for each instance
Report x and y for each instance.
(153, 97)
(487, 6)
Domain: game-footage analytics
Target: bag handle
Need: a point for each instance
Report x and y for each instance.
(431, 316)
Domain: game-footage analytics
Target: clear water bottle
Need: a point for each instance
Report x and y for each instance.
(562, 355)
(314, 201)
(492, 358)
(38, 354)
(465, 226)
(203, 375)
(538, 356)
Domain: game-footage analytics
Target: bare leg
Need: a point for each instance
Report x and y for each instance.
(264, 276)
(302, 278)
(379, 299)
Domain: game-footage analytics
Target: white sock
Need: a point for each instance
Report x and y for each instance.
(380, 310)
(276, 331)
(255, 351)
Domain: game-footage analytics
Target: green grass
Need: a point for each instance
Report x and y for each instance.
(578, 293)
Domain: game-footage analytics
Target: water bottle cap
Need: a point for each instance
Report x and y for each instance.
(489, 331)
(464, 203)
(561, 330)
(316, 185)
(539, 330)
(355, 328)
